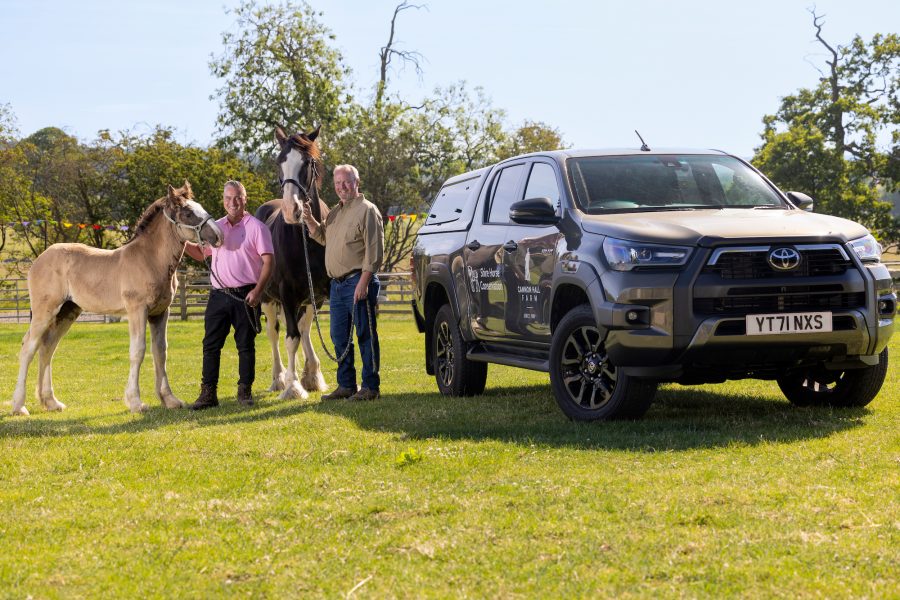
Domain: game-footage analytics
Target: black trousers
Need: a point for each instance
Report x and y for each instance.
(223, 313)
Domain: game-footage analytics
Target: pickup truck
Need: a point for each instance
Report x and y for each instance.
(616, 270)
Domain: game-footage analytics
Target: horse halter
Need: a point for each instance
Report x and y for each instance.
(312, 170)
(195, 228)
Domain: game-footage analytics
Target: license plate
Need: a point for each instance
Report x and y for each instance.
(805, 322)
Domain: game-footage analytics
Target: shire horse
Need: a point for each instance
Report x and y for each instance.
(137, 280)
(300, 175)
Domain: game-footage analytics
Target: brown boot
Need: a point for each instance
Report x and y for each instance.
(206, 399)
(245, 394)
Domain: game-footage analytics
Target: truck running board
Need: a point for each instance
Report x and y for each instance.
(510, 358)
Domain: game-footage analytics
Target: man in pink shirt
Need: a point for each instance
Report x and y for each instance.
(241, 268)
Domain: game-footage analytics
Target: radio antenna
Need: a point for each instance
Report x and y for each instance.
(644, 146)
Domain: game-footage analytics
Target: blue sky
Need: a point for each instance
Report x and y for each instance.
(690, 73)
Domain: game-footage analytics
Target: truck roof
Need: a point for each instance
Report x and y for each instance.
(562, 155)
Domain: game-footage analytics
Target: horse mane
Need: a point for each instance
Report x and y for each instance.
(146, 218)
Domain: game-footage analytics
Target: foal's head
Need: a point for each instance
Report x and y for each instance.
(299, 172)
(192, 222)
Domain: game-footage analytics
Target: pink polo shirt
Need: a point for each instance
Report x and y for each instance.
(237, 261)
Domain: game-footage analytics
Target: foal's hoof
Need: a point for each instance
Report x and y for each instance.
(139, 408)
(172, 402)
(294, 392)
(53, 405)
(21, 411)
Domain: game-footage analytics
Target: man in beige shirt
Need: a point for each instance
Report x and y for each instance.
(353, 236)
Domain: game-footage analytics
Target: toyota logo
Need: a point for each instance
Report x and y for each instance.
(784, 259)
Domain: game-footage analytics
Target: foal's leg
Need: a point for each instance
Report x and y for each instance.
(30, 342)
(312, 379)
(292, 386)
(270, 309)
(137, 329)
(55, 332)
(159, 344)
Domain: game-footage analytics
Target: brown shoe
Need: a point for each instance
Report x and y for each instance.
(364, 394)
(339, 394)
(245, 394)
(206, 399)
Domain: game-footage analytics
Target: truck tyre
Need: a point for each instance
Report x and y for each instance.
(840, 389)
(455, 374)
(587, 386)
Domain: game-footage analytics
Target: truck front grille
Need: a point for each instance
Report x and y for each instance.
(746, 301)
(751, 262)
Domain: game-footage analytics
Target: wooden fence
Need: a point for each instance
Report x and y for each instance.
(190, 300)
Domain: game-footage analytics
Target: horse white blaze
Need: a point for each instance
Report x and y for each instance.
(290, 169)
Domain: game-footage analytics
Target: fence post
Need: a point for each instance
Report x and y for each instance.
(182, 297)
(17, 302)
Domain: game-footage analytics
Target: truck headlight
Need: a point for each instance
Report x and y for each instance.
(867, 248)
(623, 255)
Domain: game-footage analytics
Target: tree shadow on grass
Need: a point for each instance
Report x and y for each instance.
(680, 419)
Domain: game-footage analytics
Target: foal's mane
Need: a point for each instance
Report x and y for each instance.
(148, 216)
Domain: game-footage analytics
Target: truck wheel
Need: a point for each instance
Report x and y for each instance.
(455, 374)
(586, 384)
(841, 389)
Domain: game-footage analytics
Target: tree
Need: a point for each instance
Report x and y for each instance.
(145, 165)
(532, 136)
(827, 141)
(279, 69)
(13, 184)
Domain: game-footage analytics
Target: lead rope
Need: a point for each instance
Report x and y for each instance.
(353, 323)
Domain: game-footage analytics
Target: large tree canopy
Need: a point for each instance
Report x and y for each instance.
(279, 68)
(839, 141)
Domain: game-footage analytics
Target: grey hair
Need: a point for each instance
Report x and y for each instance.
(350, 168)
(236, 185)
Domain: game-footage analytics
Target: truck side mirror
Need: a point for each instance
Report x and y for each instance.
(801, 201)
(533, 211)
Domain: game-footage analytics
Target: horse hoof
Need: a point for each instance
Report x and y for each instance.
(54, 405)
(21, 411)
(314, 382)
(277, 385)
(294, 392)
(173, 402)
(139, 408)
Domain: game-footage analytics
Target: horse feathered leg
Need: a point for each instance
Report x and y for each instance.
(137, 329)
(292, 386)
(159, 346)
(312, 379)
(270, 309)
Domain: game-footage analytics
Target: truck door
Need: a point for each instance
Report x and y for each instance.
(529, 264)
(484, 253)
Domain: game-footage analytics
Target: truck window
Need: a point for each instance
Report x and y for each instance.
(504, 193)
(452, 202)
(542, 183)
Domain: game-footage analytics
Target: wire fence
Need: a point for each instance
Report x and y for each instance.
(190, 299)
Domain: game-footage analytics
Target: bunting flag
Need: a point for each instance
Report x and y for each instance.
(410, 216)
(65, 224)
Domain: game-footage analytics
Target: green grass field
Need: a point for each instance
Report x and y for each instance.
(722, 490)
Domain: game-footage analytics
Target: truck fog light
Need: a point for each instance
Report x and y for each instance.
(885, 307)
(632, 316)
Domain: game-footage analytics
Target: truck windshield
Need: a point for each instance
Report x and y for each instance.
(667, 182)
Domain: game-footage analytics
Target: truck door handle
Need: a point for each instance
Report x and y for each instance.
(473, 245)
(510, 246)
